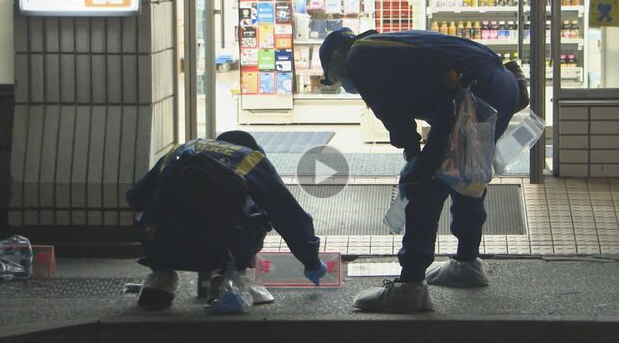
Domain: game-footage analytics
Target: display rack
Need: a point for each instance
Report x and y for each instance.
(394, 15)
(265, 35)
(507, 45)
(313, 21)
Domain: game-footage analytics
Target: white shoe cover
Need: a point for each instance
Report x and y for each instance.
(159, 290)
(454, 273)
(260, 295)
(164, 280)
(395, 297)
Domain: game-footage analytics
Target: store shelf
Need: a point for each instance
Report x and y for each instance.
(311, 72)
(578, 41)
(497, 9)
(311, 41)
(327, 96)
(497, 41)
(567, 73)
(580, 9)
(485, 9)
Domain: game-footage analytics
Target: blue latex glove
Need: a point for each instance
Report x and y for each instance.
(315, 275)
(407, 173)
(408, 176)
(229, 302)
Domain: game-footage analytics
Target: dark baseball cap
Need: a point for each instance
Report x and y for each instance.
(335, 40)
(241, 138)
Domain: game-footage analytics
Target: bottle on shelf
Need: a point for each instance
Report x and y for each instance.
(571, 60)
(512, 29)
(460, 29)
(485, 30)
(503, 33)
(527, 29)
(563, 60)
(574, 29)
(452, 30)
(494, 30)
(444, 28)
(468, 30)
(477, 30)
(435, 27)
(565, 29)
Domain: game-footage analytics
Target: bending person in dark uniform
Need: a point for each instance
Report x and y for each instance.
(209, 201)
(403, 76)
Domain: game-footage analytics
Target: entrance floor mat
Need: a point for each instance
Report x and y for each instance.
(504, 207)
(361, 164)
(359, 210)
(292, 141)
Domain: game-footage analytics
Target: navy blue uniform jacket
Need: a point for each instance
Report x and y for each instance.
(265, 188)
(399, 76)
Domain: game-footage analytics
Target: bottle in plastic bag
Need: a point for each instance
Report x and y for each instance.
(467, 165)
(524, 130)
(15, 258)
(234, 293)
(395, 218)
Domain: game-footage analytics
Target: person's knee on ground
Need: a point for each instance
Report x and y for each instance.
(159, 289)
(209, 286)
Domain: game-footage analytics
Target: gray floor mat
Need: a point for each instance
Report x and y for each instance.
(385, 164)
(361, 164)
(359, 210)
(504, 206)
(66, 287)
(291, 142)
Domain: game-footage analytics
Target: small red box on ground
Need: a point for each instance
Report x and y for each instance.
(43, 261)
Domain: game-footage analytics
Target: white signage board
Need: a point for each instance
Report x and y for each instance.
(79, 8)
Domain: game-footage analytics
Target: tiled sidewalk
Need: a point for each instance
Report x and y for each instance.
(564, 217)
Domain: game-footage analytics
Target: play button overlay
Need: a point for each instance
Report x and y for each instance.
(323, 165)
(323, 172)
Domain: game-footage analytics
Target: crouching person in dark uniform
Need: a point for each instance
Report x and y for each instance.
(209, 202)
(403, 76)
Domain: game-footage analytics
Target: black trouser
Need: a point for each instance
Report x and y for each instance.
(498, 87)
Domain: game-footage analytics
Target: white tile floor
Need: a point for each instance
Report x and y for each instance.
(564, 217)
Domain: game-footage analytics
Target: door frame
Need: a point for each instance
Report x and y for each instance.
(538, 86)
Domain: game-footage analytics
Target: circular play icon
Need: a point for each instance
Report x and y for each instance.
(325, 166)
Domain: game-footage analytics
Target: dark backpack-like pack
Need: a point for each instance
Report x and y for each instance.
(200, 185)
(199, 203)
(524, 100)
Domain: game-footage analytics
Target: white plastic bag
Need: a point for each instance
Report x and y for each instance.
(524, 130)
(234, 293)
(15, 258)
(467, 166)
(395, 218)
